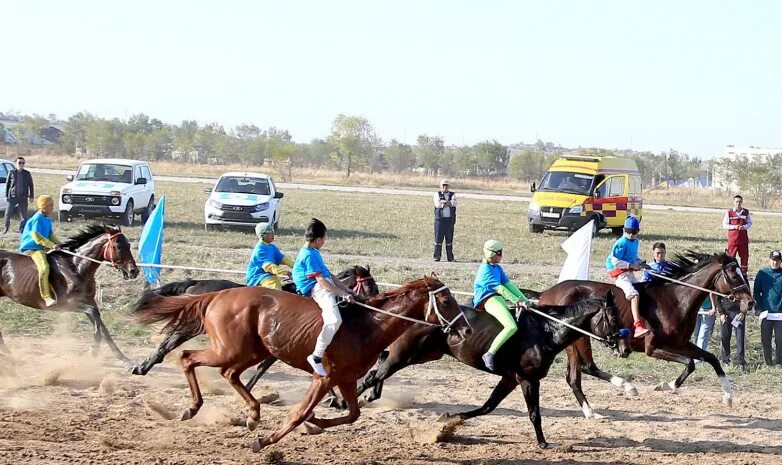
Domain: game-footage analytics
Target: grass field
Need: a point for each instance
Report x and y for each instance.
(393, 234)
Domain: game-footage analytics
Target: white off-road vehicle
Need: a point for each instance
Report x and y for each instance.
(109, 188)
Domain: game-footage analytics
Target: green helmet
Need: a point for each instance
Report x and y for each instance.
(490, 248)
(263, 228)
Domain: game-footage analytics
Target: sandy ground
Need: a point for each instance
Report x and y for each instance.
(60, 405)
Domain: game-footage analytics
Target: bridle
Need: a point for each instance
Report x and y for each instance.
(358, 289)
(445, 325)
(108, 253)
(745, 285)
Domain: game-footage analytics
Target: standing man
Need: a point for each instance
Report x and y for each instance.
(444, 220)
(768, 299)
(18, 188)
(732, 320)
(737, 222)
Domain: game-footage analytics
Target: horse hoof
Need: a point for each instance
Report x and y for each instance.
(444, 417)
(259, 444)
(251, 424)
(663, 386)
(597, 416)
(728, 401)
(544, 445)
(631, 391)
(187, 415)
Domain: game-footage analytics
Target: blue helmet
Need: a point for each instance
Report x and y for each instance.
(632, 223)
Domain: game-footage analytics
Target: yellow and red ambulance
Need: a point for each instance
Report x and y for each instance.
(579, 188)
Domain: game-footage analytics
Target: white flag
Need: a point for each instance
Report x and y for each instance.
(579, 249)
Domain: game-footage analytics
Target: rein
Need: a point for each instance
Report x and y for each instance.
(104, 250)
(564, 323)
(730, 296)
(445, 325)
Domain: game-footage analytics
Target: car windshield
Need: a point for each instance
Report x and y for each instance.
(105, 172)
(243, 185)
(565, 181)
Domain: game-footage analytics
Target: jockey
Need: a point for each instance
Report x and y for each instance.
(312, 278)
(38, 237)
(621, 265)
(264, 266)
(492, 288)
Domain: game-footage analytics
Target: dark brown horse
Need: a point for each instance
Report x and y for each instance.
(72, 278)
(357, 278)
(670, 309)
(249, 324)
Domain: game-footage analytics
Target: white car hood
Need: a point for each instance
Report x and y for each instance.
(244, 200)
(96, 187)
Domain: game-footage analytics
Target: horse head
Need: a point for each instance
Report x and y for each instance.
(606, 324)
(731, 281)
(444, 309)
(116, 250)
(365, 282)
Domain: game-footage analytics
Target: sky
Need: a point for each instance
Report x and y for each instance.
(688, 75)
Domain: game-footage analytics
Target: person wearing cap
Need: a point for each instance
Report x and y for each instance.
(621, 265)
(737, 222)
(312, 278)
(37, 238)
(444, 220)
(768, 301)
(264, 267)
(492, 290)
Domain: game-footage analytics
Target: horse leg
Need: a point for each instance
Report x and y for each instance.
(262, 367)
(232, 375)
(506, 385)
(95, 313)
(190, 360)
(589, 367)
(318, 388)
(531, 390)
(171, 342)
(348, 391)
(573, 378)
(686, 356)
(96, 337)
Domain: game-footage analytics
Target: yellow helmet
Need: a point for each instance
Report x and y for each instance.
(43, 200)
(490, 248)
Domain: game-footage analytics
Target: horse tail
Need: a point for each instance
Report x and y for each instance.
(175, 288)
(182, 314)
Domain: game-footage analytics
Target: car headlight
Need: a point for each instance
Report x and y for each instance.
(115, 201)
(262, 206)
(534, 208)
(576, 209)
(66, 198)
(215, 204)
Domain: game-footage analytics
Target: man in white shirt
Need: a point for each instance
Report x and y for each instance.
(737, 222)
(444, 220)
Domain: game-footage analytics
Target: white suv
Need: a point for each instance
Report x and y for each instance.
(109, 188)
(242, 199)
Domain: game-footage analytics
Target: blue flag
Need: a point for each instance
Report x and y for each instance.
(150, 246)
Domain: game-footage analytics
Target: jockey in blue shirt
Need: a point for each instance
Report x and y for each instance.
(312, 278)
(37, 238)
(622, 263)
(660, 265)
(264, 267)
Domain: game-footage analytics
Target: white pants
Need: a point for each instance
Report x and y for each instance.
(625, 282)
(327, 301)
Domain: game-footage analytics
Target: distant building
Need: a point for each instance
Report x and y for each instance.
(732, 152)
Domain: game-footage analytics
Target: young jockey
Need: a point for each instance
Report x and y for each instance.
(621, 264)
(313, 278)
(264, 266)
(38, 237)
(660, 265)
(492, 288)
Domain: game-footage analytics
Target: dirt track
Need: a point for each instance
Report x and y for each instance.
(62, 406)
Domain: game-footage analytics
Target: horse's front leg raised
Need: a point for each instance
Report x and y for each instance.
(262, 367)
(506, 385)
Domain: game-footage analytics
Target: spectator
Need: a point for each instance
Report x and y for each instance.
(704, 323)
(660, 264)
(733, 319)
(737, 222)
(18, 188)
(768, 301)
(444, 220)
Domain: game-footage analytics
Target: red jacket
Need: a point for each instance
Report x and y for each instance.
(738, 236)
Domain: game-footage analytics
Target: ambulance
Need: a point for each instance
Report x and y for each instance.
(579, 188)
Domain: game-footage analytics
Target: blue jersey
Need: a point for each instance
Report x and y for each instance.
(39, 224)
(487, 278)
(309, 264)
(624, 250)
(263, 254)
(658, 267)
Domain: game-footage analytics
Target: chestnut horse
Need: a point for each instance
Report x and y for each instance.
(250, 324)
(72, 278)
(357, 278)
(670, 309)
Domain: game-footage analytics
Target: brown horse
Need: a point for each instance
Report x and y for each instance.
(670, 309)
(72, 277)
(248, 325)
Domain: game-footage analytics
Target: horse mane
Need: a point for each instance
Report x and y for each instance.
(414, 285)
(691, 261)
(86, 234)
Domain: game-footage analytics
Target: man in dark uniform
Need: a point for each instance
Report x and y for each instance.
(18, 188)
(444, 220)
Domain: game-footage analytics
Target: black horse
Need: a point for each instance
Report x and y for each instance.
(357, 278)
(523, 361)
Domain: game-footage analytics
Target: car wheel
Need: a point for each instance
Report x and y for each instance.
(208, 227)
(128, 216)
(64, 217)
(276, 223)
(595, 225)
(536, 228)
(148, 211)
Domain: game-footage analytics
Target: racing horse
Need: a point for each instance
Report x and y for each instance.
(249, 324)
(72, 277)
(357, 278)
